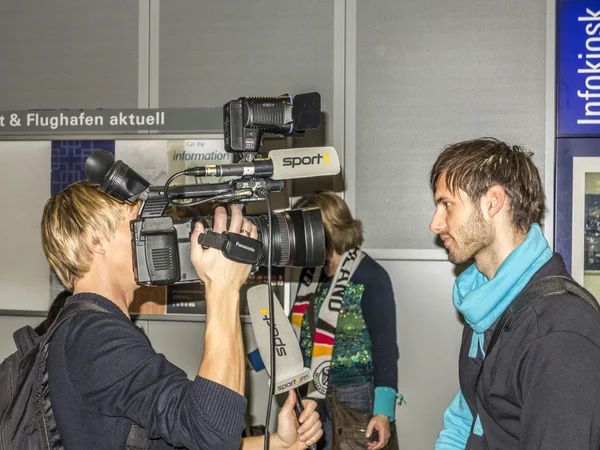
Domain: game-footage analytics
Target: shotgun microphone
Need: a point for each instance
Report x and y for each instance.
(286, 164)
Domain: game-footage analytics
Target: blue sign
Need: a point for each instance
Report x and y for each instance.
(578, 68)
(68, 161)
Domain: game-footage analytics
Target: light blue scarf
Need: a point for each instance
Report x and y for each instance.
(482, 301)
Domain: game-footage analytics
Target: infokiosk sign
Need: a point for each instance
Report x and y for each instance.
(578, 68)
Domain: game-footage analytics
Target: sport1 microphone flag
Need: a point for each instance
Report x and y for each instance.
(290, 372)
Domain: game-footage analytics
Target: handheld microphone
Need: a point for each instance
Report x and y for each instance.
(283, 164)
(290, 373)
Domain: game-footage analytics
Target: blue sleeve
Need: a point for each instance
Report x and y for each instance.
(385, 402)
(457, 425)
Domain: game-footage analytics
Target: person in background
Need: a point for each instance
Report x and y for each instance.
(345, 318)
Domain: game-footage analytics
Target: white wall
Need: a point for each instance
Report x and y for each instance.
(24, 189)
(429, 333)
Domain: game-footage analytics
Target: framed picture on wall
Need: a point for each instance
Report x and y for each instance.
(585, 263)
(577, 226)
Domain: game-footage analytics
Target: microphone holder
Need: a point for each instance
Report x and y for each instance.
(242, 190)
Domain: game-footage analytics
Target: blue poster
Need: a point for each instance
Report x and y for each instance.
(68, 161)
(578, 68)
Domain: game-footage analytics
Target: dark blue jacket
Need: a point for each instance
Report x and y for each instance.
(540, 384)
(104, 376)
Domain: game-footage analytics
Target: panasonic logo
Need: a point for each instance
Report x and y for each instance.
(245, 247)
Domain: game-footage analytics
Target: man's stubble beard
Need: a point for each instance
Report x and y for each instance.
(471, 237)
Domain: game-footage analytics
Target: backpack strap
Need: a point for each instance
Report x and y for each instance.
(137, 438)
(570, 285)
(66, 311)
(46, 419)
(541, 288)
(25, 339)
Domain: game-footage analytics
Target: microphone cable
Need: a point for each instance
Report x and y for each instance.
(298, 407)
(272, 324)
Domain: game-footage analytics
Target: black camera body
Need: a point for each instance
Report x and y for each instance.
(162, 248)
(161, 245)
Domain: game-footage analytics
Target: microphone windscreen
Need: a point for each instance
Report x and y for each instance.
(306, 111)
(293, 163)
(288, 356)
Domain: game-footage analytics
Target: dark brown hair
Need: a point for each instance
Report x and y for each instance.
(475, 166)
(342, 231)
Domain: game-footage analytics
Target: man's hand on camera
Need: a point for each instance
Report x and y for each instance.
(223, 359)
(289, 435)
(213, 268)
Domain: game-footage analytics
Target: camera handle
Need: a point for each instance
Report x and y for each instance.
(234, 246)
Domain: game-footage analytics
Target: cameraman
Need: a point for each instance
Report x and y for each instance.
(104, 375)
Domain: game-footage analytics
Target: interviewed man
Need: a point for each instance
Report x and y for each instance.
(104, 375)
(529, 363)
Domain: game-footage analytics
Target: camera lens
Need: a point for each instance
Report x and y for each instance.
(298, 238)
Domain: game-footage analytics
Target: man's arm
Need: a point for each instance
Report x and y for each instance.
(113, 370)
(457, 425)
(560, 379)
(223, 360)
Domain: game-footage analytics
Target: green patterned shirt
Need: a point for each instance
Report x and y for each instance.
(351, 361)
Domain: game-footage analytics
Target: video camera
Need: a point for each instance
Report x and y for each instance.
(161, 245)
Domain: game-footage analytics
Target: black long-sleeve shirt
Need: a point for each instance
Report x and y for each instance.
(104, 376)
(379, 310)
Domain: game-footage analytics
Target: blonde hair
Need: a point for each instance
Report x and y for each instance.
(76, 218)
(342, 231)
